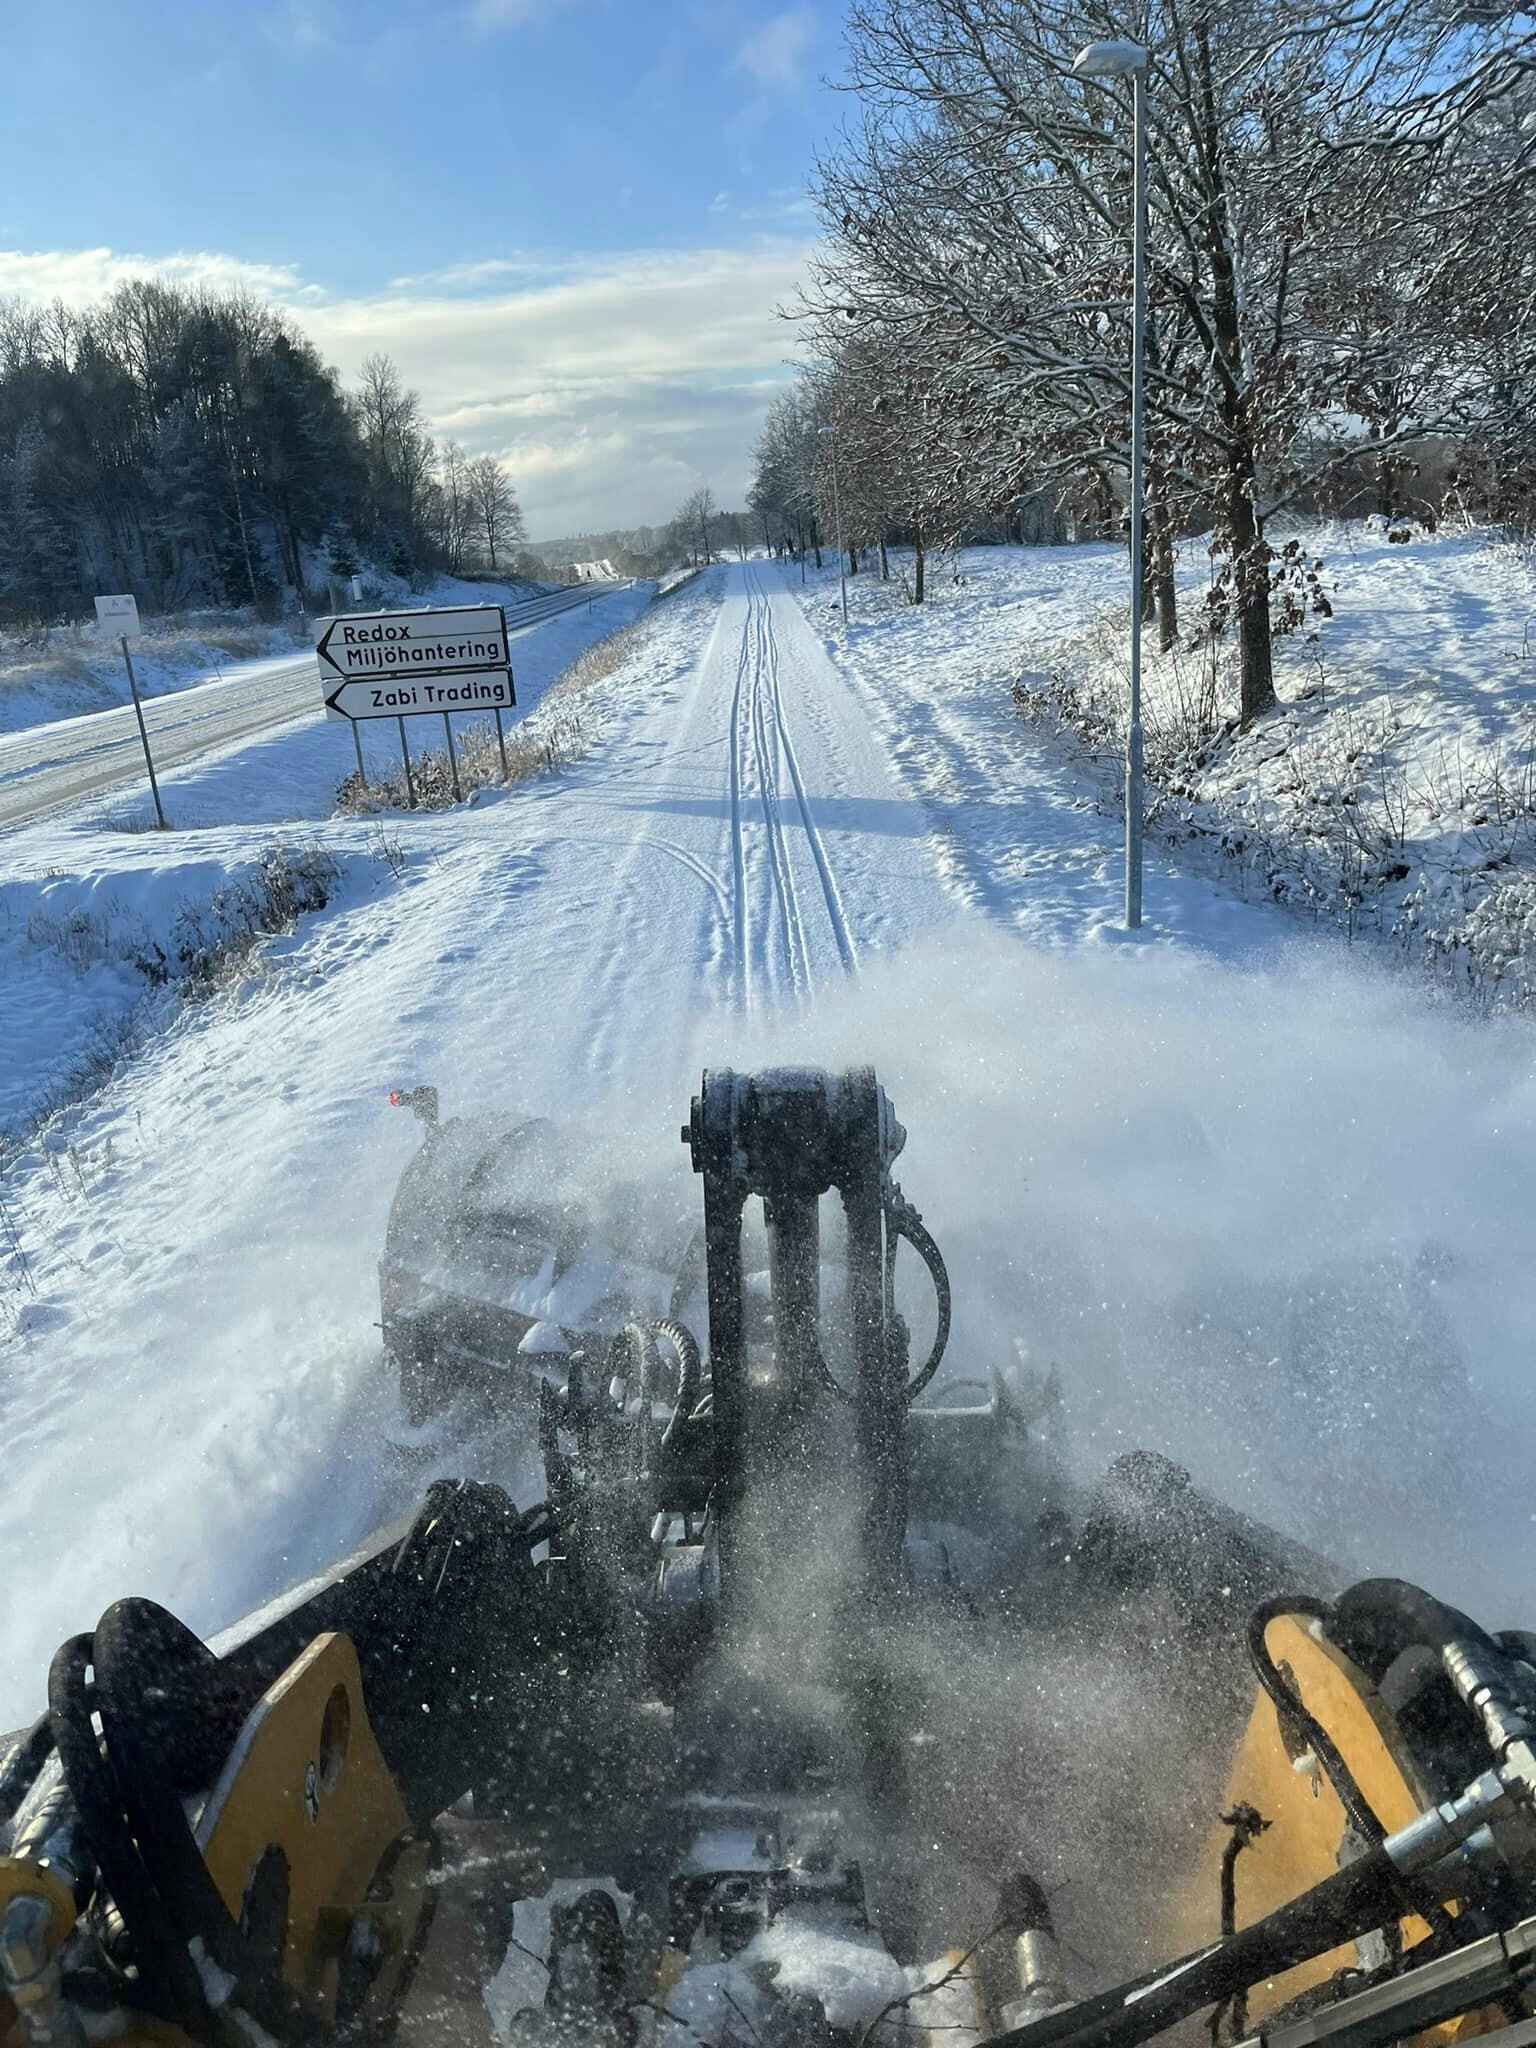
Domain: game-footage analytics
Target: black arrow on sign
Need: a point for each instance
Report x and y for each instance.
(322, 655)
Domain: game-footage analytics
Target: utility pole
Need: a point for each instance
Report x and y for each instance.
(1121, 59)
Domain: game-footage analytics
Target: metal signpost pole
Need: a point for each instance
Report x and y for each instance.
(1133, 758)
(138, 708)
(405, 756)
(501, 742)
(453, 760)
(362, 772)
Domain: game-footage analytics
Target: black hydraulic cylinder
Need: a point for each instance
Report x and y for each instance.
(1353, 1901)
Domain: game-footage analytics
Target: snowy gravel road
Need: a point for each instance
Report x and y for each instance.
(44, 767)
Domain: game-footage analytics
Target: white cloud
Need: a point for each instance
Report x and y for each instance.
(81, 276)
(611, 386)
(490, 270)
(721, 203)
(773, 54)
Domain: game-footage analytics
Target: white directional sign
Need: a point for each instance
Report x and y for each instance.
(398, 664)
(118, 614)
(406, 698)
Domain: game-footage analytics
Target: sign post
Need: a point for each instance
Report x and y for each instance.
(405, 756)
(121, 613)
(404, 665)
(453, 760)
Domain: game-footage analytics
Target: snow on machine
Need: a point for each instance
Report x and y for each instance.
(810, 1705)
(500, 1261)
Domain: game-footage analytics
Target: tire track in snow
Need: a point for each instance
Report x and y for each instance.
(738, 845)
(766, 743)
(837, 916)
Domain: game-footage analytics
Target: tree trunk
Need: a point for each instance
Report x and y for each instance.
(1250, 575)
(1250, 563)
(885, 562)
(919, 562)
(245, 539)
(1162, 577)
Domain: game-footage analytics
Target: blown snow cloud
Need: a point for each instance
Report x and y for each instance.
(611, 386)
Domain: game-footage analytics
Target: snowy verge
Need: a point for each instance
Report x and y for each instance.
(1392, 790)
(67, 671)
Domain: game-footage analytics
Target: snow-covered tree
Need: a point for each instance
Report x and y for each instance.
(979, 219)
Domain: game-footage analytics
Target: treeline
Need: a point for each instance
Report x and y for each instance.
(697, 533)
(1341, 282)
(193, 448)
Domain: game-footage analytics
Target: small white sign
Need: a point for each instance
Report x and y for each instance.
(410, 696)
(118, 614)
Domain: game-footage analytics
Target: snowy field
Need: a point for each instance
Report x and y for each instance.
(76, 669)
(1260, 1198)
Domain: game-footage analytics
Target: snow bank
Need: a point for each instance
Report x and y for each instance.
(1393, 789)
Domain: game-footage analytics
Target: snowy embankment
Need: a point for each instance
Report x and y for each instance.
(65, 671)
(1261, 1205)
(1393, 789)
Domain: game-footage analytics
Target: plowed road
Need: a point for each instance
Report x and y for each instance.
(50, 765)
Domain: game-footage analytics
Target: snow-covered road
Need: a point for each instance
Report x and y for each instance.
(1173, 1168)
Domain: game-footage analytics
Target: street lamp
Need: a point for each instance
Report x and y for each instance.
(837, 514)
(1119, 58)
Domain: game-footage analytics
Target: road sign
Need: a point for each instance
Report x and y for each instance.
(380, 647)
(410, 696)
(118, 614)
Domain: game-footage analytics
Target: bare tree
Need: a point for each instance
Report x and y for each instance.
(496, 510)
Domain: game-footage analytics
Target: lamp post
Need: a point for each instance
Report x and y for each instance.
(837, 515)
(1121, 59)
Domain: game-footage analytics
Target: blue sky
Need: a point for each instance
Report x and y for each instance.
(568, 220)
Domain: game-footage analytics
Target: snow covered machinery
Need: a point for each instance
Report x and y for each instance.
(674, 1756)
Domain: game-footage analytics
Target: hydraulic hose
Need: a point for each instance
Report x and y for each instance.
(689, 1373)
(22, 1765)
(906, 1223)
(130, 1809)
(1289, 1705)
(168, 1980)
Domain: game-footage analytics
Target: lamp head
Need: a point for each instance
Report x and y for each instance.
(1116, 58)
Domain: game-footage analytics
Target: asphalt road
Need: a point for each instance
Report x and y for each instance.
(44, 767)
